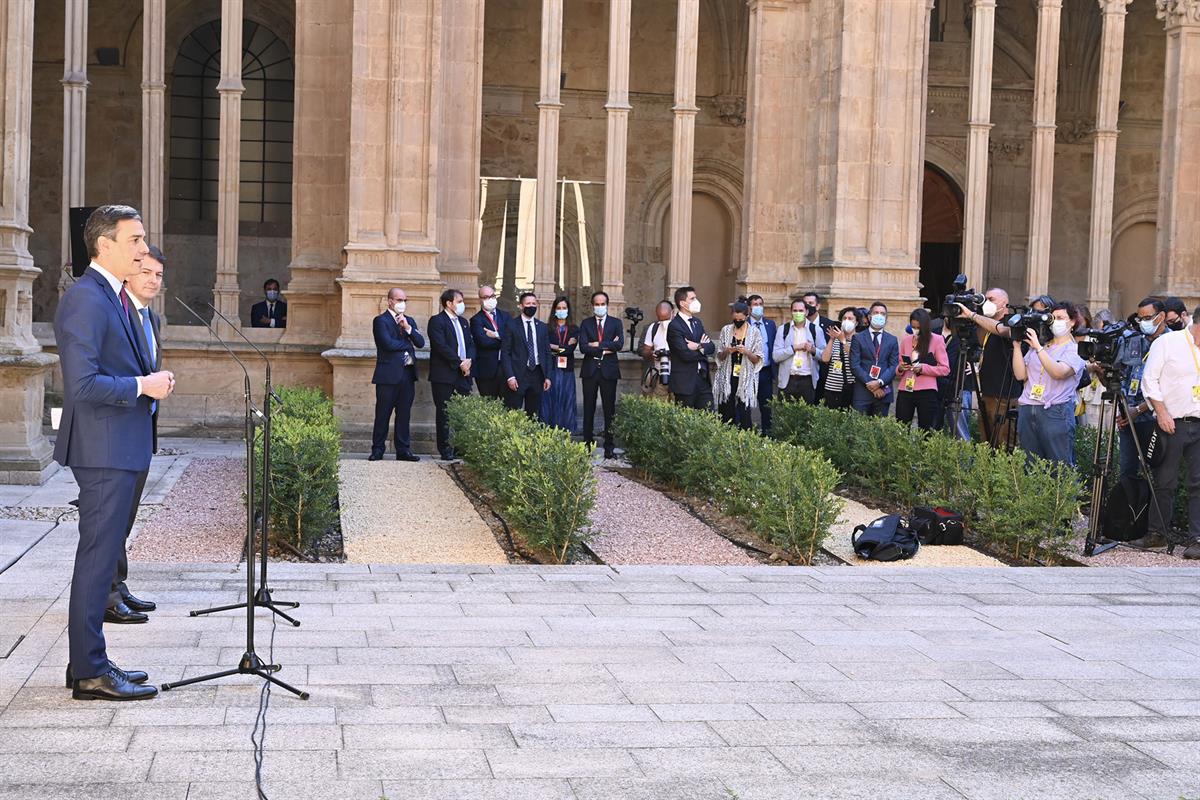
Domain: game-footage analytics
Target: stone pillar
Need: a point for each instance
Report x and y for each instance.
(683, 144)
(618, 108)
(549, 105)
(979, 126)
(776, 107)
(1178, 256)
(154, 15)
(1041, 187)
(74, 122)
(226, 295)
(25, 455)
(1105, 151)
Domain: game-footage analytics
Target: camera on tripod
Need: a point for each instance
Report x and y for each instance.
(1101, 344)
(634, 314)
(970, 298)
(1024, 320)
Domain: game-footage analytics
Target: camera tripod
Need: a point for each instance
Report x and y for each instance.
(968, 353)
(1114, 406)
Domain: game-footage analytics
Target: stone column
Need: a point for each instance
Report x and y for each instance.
(618, 108)
(154, 15)
(1178, 256)
(774, 194)
(1105, 151)
(226, 295)
(683, 144)
(549, 105)
(25, 455)
(74, 121)
(979, 126)
(1041, 188)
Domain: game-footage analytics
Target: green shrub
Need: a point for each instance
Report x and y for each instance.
(544, 481)
(305, 445)
(783, 493)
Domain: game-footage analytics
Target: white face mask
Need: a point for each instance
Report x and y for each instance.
(694, 307)
(989, 308)
(600, 311)
(490, 304)
(399, 306)
(848, 326)
(1060, 327)
(460, 307)
(878, 321)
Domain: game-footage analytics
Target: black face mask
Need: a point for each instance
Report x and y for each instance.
(529, 311)
(737, 323)
(1177, 325)
(810, 310)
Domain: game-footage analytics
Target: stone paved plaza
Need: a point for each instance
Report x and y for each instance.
(644, 682)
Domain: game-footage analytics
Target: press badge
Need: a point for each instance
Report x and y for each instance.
(1134, 383)
(1196, 394)
(835, 366)
(1039, 391)
(910, 383)
(875, 371)
(562, 362)
(737, 370)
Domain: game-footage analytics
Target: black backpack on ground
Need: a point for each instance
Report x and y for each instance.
(889, 538)
(1127, 511)
(937, 525)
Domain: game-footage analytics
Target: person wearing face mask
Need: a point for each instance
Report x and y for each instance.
(874, 359)
(839, 380)
(690, 348)
(487, 329)
(767, 373)
(795, 354)
(525, 360)
(656, 377)
(600, 339)
(558, 404)
(998, 386)
(923, 359)
(739, 359)
(396, 343)
(1050, 372)
(451, 353)
(1176, 313)
(817, 326)
(272, 312)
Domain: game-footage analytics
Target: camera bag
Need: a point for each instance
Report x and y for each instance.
(937, 525)
(1127, 510)
(889, 538)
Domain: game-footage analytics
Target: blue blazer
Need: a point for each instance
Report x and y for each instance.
(487, 349)
(443, 350)
(391, 346)
(514, 354)
(105, 424)
(596, 357)
(768, 367)
(862, 358)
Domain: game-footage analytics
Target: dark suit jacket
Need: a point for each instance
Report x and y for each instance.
(688, 366)
(862, 358)
(567, 350)
(259, 310)
(768, 367)
(105, 424)
(392, 344)
(600, 348)
(514, 354)
(156, 328)
(443, 350)
(487, 349)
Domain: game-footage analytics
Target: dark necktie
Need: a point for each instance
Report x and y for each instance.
(875, 337)
(695, 325)
(531, 360)
(812, 332)
(124, 300)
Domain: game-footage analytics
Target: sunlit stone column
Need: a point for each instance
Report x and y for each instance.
(225, 291)
(618, 108)
(979, 126)
(154, 15)
(549, 105)
(1041, 188)
(683, 144)
(74, 121)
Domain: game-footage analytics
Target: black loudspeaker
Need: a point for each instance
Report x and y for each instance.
(79, 253)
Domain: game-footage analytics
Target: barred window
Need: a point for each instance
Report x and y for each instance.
(267, 106)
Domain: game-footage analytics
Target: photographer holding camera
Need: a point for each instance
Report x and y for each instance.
(1050, 372)
(1131, 354)
(998, 386)
(657, 374)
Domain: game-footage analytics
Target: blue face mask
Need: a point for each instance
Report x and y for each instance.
(600, 311)
(1148, 326)
(878, 321)
(756, 312)
(459, 308)
(560, 313)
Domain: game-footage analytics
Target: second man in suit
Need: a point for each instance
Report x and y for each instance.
(451, 352)
(525, 358)
(397, 340)
(874, 359)
(690, 348)
(600, 339)
(487, 328)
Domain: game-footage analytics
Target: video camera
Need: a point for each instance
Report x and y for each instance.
(1100, 344)
(970, 298)
(634, 314)
(1023, 320)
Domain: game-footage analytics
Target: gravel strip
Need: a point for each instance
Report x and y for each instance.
(398, 512)
(634, 524)
(202, 519)
(1128, 556)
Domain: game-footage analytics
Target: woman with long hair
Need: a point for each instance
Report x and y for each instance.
(558, 404)
(923, 360)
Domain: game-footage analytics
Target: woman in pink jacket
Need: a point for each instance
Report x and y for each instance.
(922, 361)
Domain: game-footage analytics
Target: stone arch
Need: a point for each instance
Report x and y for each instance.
(1143, 208)
(950, 162)
(718, 178)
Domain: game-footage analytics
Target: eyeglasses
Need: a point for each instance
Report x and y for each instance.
(1150, 318)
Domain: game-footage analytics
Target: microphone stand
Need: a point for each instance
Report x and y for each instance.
(250, 663)
(263, 598)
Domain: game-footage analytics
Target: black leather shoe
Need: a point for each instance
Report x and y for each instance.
(375, 457)
(407, 457)
(449, 455)
(121, 614)
(138, 604)
(1150, 541)
(609, 453)
(133, 675)
(112, 685)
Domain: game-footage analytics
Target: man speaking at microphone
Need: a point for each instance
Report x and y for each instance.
(106, 436)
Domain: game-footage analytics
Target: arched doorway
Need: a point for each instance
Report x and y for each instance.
(1132, 271)
(712, 272)
(941, 235)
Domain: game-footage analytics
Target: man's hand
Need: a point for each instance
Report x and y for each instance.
(158, 385)
(704, 339)
(403, 320)
(512, 384)
(1166, 424)
(265, 321)
(491, 333)
(465, 366)
(878, 392)
(1123, 423)
(546, 385)
(693, 345)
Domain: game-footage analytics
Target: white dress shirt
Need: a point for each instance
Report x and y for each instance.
(1172, 374)
(802, 361)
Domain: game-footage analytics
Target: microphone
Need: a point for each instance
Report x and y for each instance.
(221, 341)
(261, 354)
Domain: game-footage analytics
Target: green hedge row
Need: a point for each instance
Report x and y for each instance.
(305, 444)
(544, 481)
(1024, 508)
(782, 493)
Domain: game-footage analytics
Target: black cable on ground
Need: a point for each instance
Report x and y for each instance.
(260, 721)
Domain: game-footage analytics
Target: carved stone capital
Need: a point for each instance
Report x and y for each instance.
(1178, 12)
(1010, 149)
(1113, 6)
(1073, 131)
(732, 110)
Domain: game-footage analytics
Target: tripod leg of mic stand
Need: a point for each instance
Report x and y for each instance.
(203, 611)
(266, 676)
(271, 607)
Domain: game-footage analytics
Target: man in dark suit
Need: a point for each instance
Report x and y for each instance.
(451, 353)
(766, 375)
(396, 342)
(874, 359)
(690, 348)
(525, 358)
(600, 339)
(817, 327)
(105, 436)
(272, 312)
(487, 329)
(123, 606)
